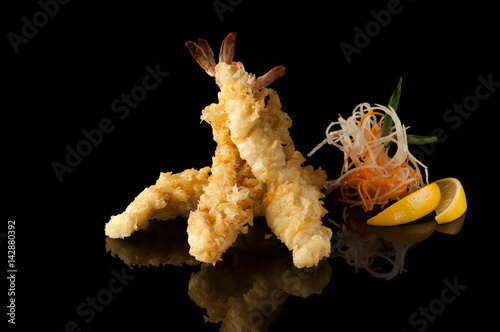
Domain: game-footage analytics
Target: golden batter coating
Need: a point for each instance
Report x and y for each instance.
(256, 171)
(259, 128)
(226, 207)
(171, 196)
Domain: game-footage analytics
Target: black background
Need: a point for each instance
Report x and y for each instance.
(65, 78)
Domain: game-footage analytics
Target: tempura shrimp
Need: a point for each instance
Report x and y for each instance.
(259, 129)
(226, 207)
(172, 195)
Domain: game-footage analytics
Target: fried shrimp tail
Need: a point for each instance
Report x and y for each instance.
(227, 48)
(203, 55)
(293, 205)
(226, 207)
(259, 129)
(268, 78)
(171, 196)
(255, 171)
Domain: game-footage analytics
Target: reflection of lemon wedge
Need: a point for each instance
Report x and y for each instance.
(410, 208)
(452, 228)
(408, 233)
(453, 202)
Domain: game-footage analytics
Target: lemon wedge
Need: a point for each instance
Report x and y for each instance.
(410, 208)
(453, 202)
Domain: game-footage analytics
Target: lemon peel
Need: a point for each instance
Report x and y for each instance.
(453, 202)
(410, 208)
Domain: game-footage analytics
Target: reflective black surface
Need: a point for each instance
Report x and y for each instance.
(248, 289)
(99, 99)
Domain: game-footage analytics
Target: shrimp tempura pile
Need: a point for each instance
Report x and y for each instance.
(256, 171)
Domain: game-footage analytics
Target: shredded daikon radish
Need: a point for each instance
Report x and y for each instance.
(370, 176)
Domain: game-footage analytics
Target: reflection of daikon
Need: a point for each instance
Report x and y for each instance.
(362, 248)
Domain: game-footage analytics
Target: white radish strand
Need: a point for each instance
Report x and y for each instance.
(360, 139)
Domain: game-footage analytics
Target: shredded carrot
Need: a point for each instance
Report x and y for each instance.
(369, 175)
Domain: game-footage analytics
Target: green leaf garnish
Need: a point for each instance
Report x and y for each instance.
(386, 128)
(415, 139)
(393, 102)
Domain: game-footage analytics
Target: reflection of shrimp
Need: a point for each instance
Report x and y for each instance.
(259, 130)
